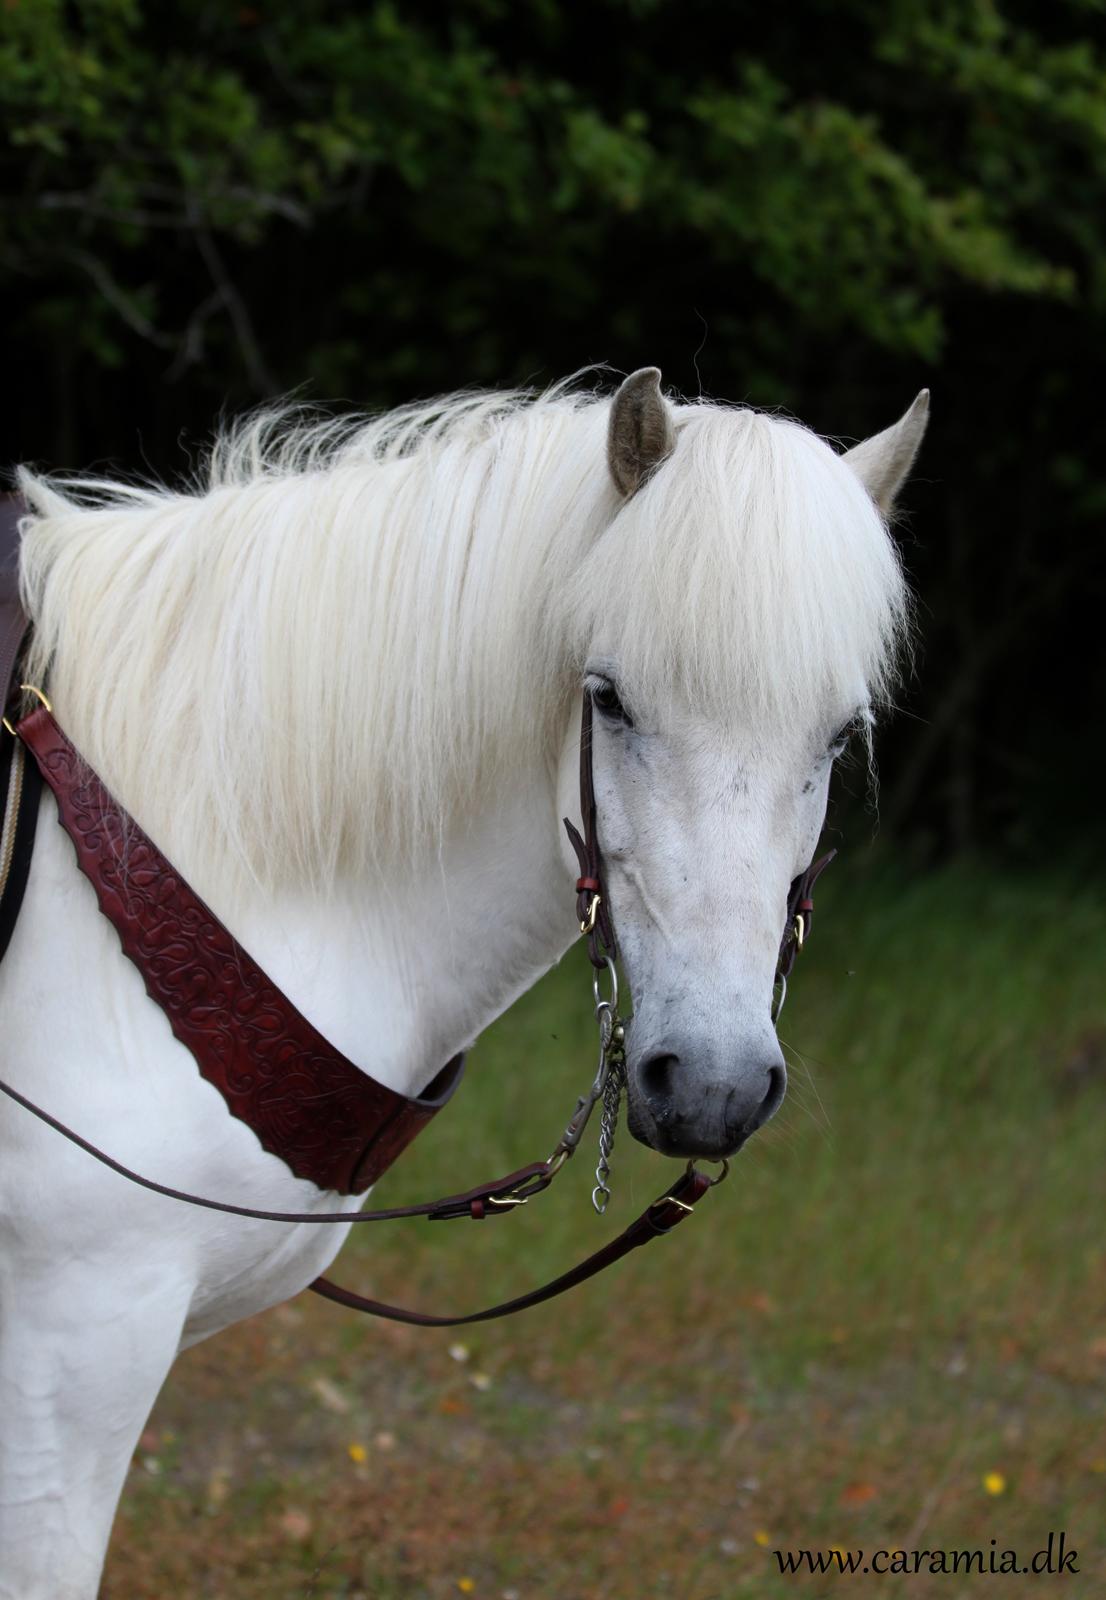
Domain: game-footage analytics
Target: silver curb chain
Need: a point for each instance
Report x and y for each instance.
(608, 1085)
(608, 1126)
(609, 1082)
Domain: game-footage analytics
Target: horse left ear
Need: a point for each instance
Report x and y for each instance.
(640, 434)
(883, 461)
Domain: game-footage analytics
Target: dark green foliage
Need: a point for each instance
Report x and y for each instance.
(821, 205)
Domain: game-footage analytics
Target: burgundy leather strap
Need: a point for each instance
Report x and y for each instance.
(660, 1218)
(656, 1220)
(601, 938)
(800, 913)
(308, 1104)
(493, 1199)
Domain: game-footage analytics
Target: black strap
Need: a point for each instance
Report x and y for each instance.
(13, 619)
(20, 780)
(20, 788)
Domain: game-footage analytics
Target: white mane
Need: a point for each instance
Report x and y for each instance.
(312, 662)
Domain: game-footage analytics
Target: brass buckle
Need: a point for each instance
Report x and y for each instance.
(799, 926)
(588, 924)
(29, 688)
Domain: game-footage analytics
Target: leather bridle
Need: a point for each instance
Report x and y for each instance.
(593, 906)
(149, 902)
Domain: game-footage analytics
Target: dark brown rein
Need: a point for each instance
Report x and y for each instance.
(151, 907)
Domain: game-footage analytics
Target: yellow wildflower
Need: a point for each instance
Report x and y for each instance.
(994, 1483)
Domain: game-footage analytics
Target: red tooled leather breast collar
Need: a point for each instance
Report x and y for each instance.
(308, 1104)
(328, 1121)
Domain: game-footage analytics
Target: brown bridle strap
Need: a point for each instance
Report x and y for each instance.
(487, 1200)
(505, 1195)
(593, 906)
(655, 1221)
(800, 914)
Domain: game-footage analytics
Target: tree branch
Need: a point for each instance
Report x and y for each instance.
(259, 374)
(118, 299)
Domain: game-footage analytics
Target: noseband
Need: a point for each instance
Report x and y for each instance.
(330, 1122)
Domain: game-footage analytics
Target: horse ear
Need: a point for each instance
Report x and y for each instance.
(883, 461)
(641, 433)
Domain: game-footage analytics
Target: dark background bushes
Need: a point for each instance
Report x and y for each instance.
(818, 206)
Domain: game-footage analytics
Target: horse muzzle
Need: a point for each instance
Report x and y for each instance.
(687, 1105)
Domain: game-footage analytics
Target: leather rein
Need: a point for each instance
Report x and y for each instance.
(328, 1120)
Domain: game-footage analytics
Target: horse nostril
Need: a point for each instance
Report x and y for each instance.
(773, 1099)
(656, 1076)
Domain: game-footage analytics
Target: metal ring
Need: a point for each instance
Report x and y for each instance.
(719, 1161)
(612, 1003)
(30, 688)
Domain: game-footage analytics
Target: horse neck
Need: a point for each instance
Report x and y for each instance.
(403, 973)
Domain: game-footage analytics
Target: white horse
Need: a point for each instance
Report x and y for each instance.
(338, 683)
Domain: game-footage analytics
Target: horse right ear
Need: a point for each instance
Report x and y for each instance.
(641, 433)
(883, 461)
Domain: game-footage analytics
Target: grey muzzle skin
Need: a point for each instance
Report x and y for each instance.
(681, 1107)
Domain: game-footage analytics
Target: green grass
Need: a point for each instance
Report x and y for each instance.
(901, 1288)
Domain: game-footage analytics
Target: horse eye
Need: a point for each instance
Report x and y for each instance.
(604, 697)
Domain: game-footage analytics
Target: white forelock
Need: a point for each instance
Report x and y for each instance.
(752, 573)
(324, 655)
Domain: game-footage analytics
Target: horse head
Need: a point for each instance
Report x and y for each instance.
(737, 625)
